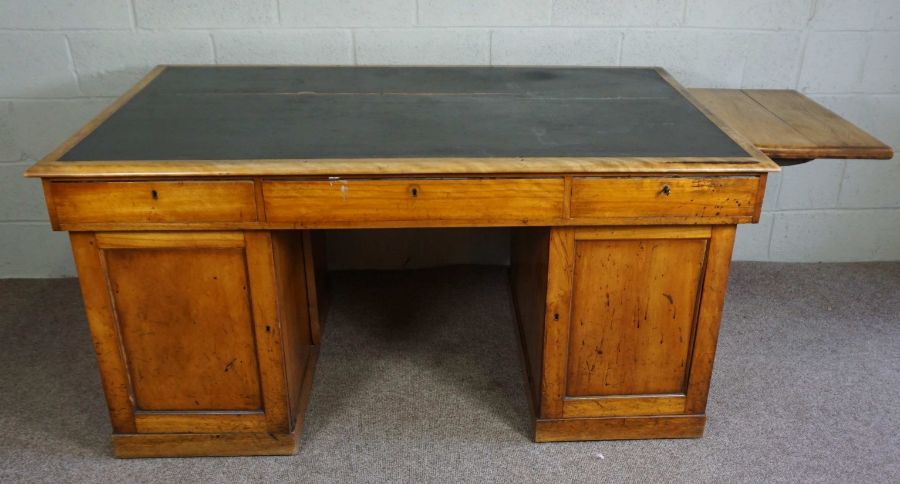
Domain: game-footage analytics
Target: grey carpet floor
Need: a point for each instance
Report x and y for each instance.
(419, 380)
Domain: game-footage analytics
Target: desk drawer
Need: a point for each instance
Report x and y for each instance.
(664, 197)
(154, 202)
(414, 202)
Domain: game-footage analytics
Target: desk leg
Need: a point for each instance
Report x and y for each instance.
(619, 327)
(203, 339)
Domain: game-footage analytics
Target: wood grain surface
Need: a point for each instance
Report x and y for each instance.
(619, 428)
(154, 201)
(129, 446)
(195, 351)
(663, 197)
(787, 125)
(632, 326)
(529, 258)
(320, 203)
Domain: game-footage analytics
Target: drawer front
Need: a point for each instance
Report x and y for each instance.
(154, 202)
(666, 197)
(420, 202)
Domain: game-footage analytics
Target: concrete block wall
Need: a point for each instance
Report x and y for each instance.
(62, 61)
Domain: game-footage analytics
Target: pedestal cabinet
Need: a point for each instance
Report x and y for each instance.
(620, 340)
(204, 339)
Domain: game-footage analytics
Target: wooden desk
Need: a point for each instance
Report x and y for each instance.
(194, 204)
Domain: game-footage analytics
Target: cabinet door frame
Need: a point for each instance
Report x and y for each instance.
(275, 412)
(560, 292)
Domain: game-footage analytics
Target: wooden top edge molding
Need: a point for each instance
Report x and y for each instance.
(395, 167)
(786, 125)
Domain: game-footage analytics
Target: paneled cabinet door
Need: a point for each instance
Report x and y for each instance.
(633, 318)
(189, 332)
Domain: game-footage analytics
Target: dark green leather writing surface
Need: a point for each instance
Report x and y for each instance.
(245, 113)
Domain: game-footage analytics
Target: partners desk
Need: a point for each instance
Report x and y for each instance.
(195, 205)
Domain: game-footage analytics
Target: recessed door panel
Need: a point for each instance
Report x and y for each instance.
(632, 321)
(185, 321)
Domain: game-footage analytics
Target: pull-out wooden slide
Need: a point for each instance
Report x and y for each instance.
(789, 127)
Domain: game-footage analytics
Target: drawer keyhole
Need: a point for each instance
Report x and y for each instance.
(154, 194)
(414, 192)
(666, 190)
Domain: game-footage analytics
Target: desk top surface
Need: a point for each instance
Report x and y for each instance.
(401, 120)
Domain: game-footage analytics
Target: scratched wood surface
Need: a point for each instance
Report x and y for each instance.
(155, 201)
(789, 126)
(200, 333)
(195, 352)
(651, 196)
(631, 328)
